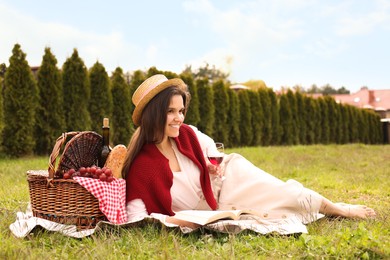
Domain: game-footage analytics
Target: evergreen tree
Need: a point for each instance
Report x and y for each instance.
(100, 103)
(137, 78)
(76, 94)
(294, 131)
(233, 120)
(206, 106)
(363, 126)
(317, 119)
(122, 126)
(370, 127)
(50, 121)
(310, 119)
(209, 72)
(332, 118)
(245, 118)
(192, 116)
(377, 128)
(276, 129)
(3, 69)
(221, 103)
(286, 121)
(301, 117)
(257, 117)
(20, 103)
(339, 124)
(266, 118)
(153, 71)
(325, 129)
(345, 121)
(353, 126)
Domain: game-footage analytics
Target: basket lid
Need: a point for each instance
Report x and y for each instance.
(82, 150)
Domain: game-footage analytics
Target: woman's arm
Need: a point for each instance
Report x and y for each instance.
(206, 142)
(136, 210)
(181, 223)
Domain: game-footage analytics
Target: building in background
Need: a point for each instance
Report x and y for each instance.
(377, 100)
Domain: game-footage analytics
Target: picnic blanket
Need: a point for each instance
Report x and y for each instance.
(25, 223)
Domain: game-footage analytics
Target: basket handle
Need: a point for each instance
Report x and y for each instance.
(56, 151)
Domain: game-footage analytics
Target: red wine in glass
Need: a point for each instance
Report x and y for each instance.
(215, 155)
(216, 160)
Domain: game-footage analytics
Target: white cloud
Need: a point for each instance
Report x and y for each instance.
(282, 41)
(253, 27)
(366, 18)
(247, 31)
(34, 35)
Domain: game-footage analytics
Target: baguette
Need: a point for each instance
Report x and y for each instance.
(115, 160)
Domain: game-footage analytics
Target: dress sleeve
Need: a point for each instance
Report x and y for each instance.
(205, 141)
(136, 210)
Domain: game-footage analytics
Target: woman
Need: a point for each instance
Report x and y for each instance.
(166, 169)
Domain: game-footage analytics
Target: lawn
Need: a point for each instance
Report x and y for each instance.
(349, 173)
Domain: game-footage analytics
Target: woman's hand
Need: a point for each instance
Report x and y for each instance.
(182, 223)
(214, 169)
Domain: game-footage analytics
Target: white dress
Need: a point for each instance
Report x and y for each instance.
(245, 186)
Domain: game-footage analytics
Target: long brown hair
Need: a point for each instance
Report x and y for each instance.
(152, 125)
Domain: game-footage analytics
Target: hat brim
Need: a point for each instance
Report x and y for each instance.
(145, 100)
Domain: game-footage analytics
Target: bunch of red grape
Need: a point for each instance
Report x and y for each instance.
(95, 172)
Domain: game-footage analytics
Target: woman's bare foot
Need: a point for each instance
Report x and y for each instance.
(346, 210)
(355, 211)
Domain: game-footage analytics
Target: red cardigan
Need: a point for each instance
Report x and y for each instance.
(151, 179)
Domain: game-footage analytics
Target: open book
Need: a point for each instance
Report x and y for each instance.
(203, 217)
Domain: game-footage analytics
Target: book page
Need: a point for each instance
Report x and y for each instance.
(203, 217)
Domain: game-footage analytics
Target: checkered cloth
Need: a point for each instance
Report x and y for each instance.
(111, 197)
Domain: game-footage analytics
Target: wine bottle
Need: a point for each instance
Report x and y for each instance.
(106, 149)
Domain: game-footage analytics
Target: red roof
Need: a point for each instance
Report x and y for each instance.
(365, 98)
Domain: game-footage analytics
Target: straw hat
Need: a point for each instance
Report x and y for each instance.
(149, 89)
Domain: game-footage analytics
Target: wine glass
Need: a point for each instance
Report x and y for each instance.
(215, 155)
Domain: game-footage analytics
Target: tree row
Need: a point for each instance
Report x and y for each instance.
(37, 108)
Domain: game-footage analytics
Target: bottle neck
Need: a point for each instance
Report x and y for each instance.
(106, 136)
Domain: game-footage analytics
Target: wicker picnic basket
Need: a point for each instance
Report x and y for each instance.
(61, 200)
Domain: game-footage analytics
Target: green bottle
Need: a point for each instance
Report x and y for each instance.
(106, 149)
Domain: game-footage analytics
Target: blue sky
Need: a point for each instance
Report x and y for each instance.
(282, 42)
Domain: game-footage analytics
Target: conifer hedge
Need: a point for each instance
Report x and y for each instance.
(121, 124)
(206, 107)
(50, 121)
(266, 119)
(233, 120)
(76, 94)
(221, 103)
(256, 110)
(37, 110)
(192, 115)
(20, 104)
(245, 123)
(100, 103)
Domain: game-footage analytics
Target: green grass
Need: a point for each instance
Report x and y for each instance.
(349, 173)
